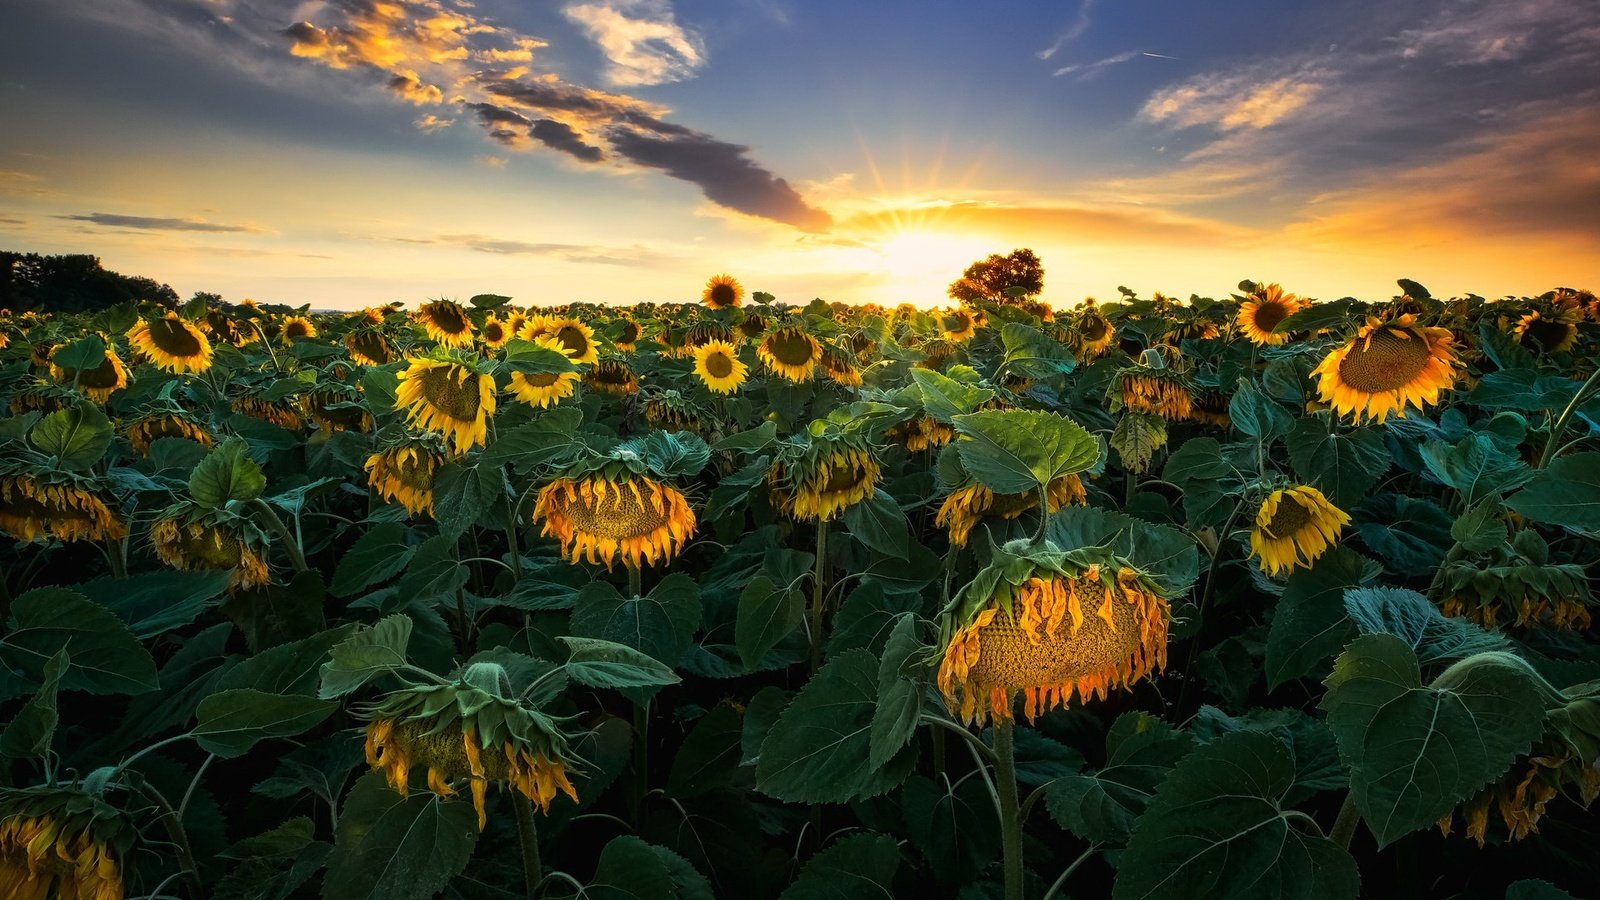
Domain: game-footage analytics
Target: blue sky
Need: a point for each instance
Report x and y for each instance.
(342, 152)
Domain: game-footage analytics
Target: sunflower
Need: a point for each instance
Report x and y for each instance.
(369, 347)
(967, 506)
(282, 413)
(447, 396)
(936, 352)
(62, 843)
(1387, 367)
(1210, 407)
(39, 353)
(1092, 331)
(446, 322)
(612, 377)
(470, 729)
(790, 352)
(719, 367)
(1294, 526)
(494, 334)
(753, 325)
(42, 396)
(574, 335)
(57, 504)
(603, 518)
(668, 411)
(543, 389)
(922, 433)
(722, 292)
(338, 409)
(825, 480)
(98, 383)
(1153, 390)
(1263, 311)
(172, 344)
(146, 430)
(208, 540)
(839, 369)
(1551, 332)
(1510, 585)
(404, 475)
(958, 325)
(1050, 624)
(628, 334)
(298, 328)
(220, 326)
(702, 333)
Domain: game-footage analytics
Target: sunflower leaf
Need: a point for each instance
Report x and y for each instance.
(1566, 494)
(227, 473)
(1475, 466)
(30, 730)
(1310, 623)
(943, 397)
(230, 722)
(879, 523)
(1103, 805)
(608, 664)
(389, 847)
(1013, 451)
(105, 656)
(82, 355)
(76, 436)
(1342, 466)
(860, 865)
(1409, 616)
(365, 655)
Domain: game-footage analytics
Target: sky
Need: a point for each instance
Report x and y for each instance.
(352, 152)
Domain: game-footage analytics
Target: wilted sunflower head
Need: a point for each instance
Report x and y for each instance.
(445, 321)
(937, 352)
(39, 353)
(753, 325)
(1293, 527)
(958, 324)
(1387, 367)
(612, 514)
(59, 841)
(1210, 407)
(612, 376)
(337, 408)
(542, 389)
(1092, 332)
(495, 333)
(669, 411)
(839, 368)
(449, 396)
(57, 504)
(470, 729)
(1048, 624)
(404, 474)
(628, 334)
(369, 347)
(1550, 331)
(790, 352)
(42, 396)
(1160, 390)
(1517, 584)
(701, 333)
(722, 292)
(172, 344)
(718, 365)
(193, 538)
(298, 328)
(821, 480)
(922, 433)
(146, 430)
(965, 507)
(221, 326)
(282, 413)
(98, 383)
(1260, 314)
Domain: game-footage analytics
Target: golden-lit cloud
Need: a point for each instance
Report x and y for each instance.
(1229, 103)
(1042, 221)
(641, 39)
(153, 223)
(410, 86)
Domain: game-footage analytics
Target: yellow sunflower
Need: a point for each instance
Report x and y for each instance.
(967, 506)
(612, 377)
(1263, 311)
(722, 292)
(494, 334)
(405, 475)
(1159, 391)
(199, 546)
(99, 383)
(922, 433)
(1548, 333)
(628, 336)
(958, 325)
(632, 518)
(369, 347)
(146, 430)
(1048, 630)
(839, 369)
(60, 843)
(824, 482)
(32, 507)
(1387, 367)
(449, 397)
(575, 336)
(719, 367)
(172, 344)
(298, 328)
(545, 388)
(446, 322)
(1294, 526)
(281, 413)
(790, 352)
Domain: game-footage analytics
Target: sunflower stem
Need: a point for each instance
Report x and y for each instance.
(818, 594)
(1560, 426)
(641, 760)
(1205, 600)
(115, 556)
(1005, 774)
(297, 558)
(635, 581)
(528, 835)
(1062, 881)
(515, 543)
(1044, 514)
(1344, 827)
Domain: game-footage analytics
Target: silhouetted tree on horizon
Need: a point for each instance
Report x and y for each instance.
(1013, 278)
(75, 282)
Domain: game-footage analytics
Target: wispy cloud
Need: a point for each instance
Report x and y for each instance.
(1080, 24)
(151, 223)
(1076, 223)
(1087, 70)
(13, 181)
(1230, 102)
(642, 40)
(573, 253)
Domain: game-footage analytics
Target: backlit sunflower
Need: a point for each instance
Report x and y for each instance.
(448, 396)
(446, 322)
(1548, 332)
(1048, 624)
(220, 326)
(790, 352)
(370, 316)
(472, 729)
(612, 377)
(56, 504)
(575, 336)
(172, 344)
(1154, 390)
(937, 352)
(494, 334)
(958, 325)
(192, 538)
(1385, 368)
(826, 478)
(1293, 527)
(98, 383)
(753, 325)
(967, 506)
(282, 413)
(338, 408)
(298, 328)
(719, 367)
(542, 389)
(1092, 332)
(62, 843)
(922, 433)
(369, 347)
(404, 474)
(722, 292)
(1263, 311)
(839, 369)
(146, 430)
(603, 517)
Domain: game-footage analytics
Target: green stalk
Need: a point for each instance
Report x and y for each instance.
(1005, 774)
(641, 760)
(635, 581)
(819, 574)
(515, 543)
(1560, 426)
(1344, 827)
(1205, 599)
(528, 835)
(297, 557)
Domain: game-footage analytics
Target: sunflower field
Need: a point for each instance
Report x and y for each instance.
(1238, 598)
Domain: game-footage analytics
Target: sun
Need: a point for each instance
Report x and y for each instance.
(917, 265)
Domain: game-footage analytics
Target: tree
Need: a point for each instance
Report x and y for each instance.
(71, 283)
(1000, 279)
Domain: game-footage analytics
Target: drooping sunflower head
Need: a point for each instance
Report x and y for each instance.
(1552, 331)
(371, 316)
(282, 413)
(494, 333)
(967, 506)
(146, 430)
(337, 408)
(404, 474)
(39, 353)
(542, 389)
(790, 352)
(823, 479)
(56, 504)
(369, 347)
(575, 336)
(1293, 527)
(958, 324)
(1093, 332)
(669, 411)
(98, 383)
(449, 396)
(611, 515)
(220, 326)
(59, 841)
(1509, 585)
(172, 344)
(445, 321)
(1048, 624)
(1386, 368)
(1210, 407)
(718, 365)
(1260, 314)
(470, 730)
(612, 376)
(922, 433)
(298, 328)
(701, 333)
(42, 396)
(839, 368)
(753, 325)
(722, 292)
(937, 352)
(192, 538)
(1163, 391)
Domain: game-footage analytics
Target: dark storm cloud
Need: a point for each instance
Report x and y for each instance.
(149, 223)
(561, 136)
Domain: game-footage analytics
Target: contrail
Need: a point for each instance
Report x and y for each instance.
(1157, 56)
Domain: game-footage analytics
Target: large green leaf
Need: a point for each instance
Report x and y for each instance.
(1221, 829)
(30, 730)
(1012, 451)
(767, 614)
(1475, 466)
(1310, 623)
(607, 664)
(660, 624)
(1343, 466)
(879, 523)
(274, 864)
(1137, 437)
(1103, 805)
(857, 867)
(1567, 493)
(389, 847)
(365, 655)
(1415, 750)
(84, 354)
(106, 657)
(1408, 615)
(894, 723)
(227, 473)
(76, 436)
(230, 722)
(944, 398)
(154, 603)
(1166, 554)
(1256, 414)
(630, 869)
(709, 756)
(291, 668)
(379, 554)
(1208, 482)
(952, 823)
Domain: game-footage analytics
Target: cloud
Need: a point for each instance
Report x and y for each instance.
(1231, 102)
(16, 182)
(574, 253)
(148, 223)
(410, 86)
(1079, 224)
(641, 39)
(561, 136)
(1080, 24)
(1468, 35)
(1086, 70)
(431, 123)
